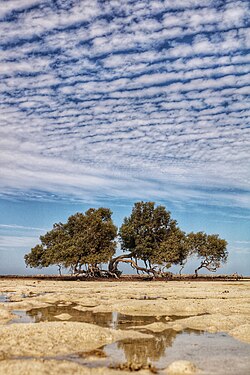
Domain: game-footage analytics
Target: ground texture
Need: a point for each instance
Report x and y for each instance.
(46, 347)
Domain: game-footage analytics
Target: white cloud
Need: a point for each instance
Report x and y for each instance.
(22, 227)
(13, 242)
(15, 5)
(125, 99)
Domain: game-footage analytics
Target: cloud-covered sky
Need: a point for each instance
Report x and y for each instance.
(118, 100)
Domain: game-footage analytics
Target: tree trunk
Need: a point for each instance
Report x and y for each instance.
(127, 258)
(182, 266)
(197, 269)
(113, 263)
(59, 269)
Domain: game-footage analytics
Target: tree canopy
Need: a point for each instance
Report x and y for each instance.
(85, 240)
(151, 235)
(148, 236)
(211, 249)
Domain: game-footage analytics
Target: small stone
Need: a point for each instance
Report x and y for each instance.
(177, 327)
(181, 368)
(212, 329)
(63, 316)
(80, 308)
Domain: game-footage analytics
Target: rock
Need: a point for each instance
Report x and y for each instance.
(64, 304)
(52, 367)
(36, 340)
(181, 368)
(211, 323)
(81, 308)
(63, 316)
(5, 316)
(241, 333)
(153, 327)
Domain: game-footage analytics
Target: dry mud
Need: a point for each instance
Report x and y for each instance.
(49, 347)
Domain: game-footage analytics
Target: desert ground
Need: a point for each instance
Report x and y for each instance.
(102, 327)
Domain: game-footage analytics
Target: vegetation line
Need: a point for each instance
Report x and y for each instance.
(149, 235)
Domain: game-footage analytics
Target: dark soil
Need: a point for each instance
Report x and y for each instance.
(131, 278)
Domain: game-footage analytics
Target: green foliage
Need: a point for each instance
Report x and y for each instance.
(210, 248)
(85, 239)
(36, 258)
(173, 250)
(152, 236)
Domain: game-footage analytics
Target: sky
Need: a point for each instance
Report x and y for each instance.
(109, 102)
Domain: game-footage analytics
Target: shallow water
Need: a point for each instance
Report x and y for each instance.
(216, 353)
(4, 298)
(104, 319)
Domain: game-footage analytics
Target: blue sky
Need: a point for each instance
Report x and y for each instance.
(110, 102)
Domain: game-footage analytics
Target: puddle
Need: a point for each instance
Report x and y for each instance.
(216, 353)
(106, 319)
(4, 298)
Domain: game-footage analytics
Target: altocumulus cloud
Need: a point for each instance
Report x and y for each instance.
(125, 99)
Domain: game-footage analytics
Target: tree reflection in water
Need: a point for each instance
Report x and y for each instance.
(103, 319)
(144, 351)
(139, 351)
(49, 313)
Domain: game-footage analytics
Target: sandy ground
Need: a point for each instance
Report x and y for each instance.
(209, 306)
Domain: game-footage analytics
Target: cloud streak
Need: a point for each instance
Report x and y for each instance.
(134, 99)
(22, 227)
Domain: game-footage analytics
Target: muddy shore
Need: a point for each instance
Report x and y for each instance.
(77, 323)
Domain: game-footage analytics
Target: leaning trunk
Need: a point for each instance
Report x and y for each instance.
(60, 269)
(113, 263)
(197, 269)
(127, 258)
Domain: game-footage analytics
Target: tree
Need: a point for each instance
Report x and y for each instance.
(211, 249)
(150, 235)
(82, 244)
(173, 250)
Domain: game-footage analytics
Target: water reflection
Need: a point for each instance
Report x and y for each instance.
(150, 350)
(104, 319)
(213, 353)
(50, 313)
(4, 298)
(159, 350)
(141, 351)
